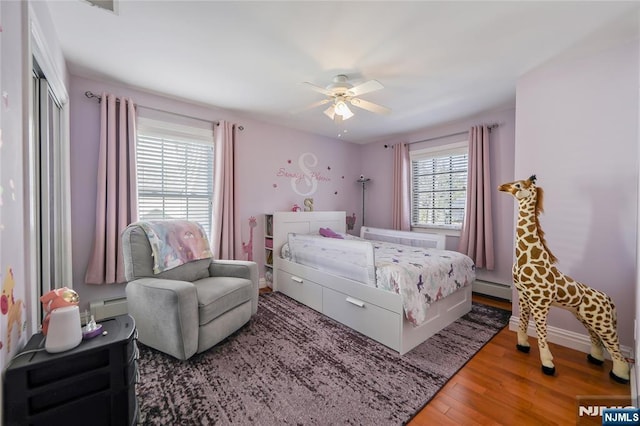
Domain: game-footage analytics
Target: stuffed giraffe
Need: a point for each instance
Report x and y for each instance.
(540, 285)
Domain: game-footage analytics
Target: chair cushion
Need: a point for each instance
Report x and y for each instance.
(217, 295)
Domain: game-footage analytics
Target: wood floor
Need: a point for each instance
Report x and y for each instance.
(501, 385)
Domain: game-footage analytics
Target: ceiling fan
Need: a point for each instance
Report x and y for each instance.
(340, 93)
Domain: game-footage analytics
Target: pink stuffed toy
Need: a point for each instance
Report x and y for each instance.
(54, 299)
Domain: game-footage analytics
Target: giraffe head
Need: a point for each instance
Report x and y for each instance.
(520, 189)
(527, 193)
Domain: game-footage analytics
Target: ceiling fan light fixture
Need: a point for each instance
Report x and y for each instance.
(341, 92)
(330, 112)
(343, 110)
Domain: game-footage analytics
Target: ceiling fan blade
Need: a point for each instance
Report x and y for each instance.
(318, 88)
(366, 87)
(370, 106)
(313, 105)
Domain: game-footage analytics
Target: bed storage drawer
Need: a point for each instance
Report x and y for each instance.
(300, 289)
(378, 323)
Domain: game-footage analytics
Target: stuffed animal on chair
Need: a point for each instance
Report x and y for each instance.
(54, 299)
(540, 284)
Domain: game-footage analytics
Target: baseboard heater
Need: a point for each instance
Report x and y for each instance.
(492, 289)
(108, 308)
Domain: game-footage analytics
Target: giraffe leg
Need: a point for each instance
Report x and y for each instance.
(546, 358)
(596, 356)
(605, 326)
(620, 370)
(525, 313)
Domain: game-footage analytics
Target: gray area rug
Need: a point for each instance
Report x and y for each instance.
(293, 366)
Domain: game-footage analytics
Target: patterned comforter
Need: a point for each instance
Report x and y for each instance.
(420, 275)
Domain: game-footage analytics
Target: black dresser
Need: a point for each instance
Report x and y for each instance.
(92, 384)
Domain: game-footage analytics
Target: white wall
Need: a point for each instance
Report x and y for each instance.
(577, 130)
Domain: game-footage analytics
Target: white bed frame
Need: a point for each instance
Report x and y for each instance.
(378, 314)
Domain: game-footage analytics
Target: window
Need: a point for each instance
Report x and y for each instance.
(175, 169)
(439, 186)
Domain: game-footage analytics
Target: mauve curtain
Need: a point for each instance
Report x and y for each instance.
(117, 193)
(476, 239)
(223, 208)
(401, 214)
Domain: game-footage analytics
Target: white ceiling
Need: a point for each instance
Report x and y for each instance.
(438, 61)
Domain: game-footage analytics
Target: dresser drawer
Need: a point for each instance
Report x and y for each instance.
(378, 323)
(300, 289)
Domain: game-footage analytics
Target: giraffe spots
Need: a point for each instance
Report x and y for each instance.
(535, 252)
(527, 271)
(562, 294)
(520, 232)
(522, 246)
(531, 239)
(523, 259)
(541, 270)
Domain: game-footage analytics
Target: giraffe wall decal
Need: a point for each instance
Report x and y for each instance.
(10, 307)
(541, 285)
(248, 248)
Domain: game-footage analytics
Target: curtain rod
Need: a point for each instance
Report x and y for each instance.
(491, 126)
(89, 94)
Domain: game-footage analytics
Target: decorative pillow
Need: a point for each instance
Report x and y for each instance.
(329, 233)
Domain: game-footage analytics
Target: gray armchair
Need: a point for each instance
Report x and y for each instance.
(190, 308)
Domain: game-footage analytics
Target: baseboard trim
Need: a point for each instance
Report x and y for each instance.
(500, 291)
(570, 339)
(634, 383)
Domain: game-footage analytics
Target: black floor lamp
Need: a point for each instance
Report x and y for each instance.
(363, 180)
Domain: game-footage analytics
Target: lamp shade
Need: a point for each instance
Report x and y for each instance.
(330, 112)
(65, 329)
(343, 110)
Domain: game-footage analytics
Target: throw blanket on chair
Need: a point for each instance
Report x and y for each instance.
(175, 242)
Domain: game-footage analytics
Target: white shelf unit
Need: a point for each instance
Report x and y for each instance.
(268, 249)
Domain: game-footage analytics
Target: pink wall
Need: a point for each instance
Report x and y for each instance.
(13, 270)
(263, 152)
(577, 129)
(378, 164)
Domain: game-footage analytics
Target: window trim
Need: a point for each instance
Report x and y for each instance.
(430, 152)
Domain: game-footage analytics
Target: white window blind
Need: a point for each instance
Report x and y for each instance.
(439, 186)
(175, 170)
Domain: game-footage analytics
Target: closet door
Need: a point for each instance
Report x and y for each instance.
(46, 164)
